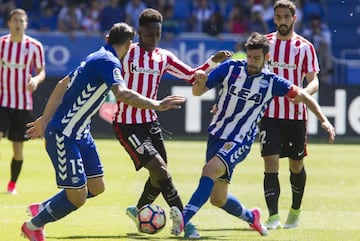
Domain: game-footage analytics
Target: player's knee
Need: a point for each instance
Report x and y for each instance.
(95, 188)
(271, 165)
(296, 168)
(78, 202)
(217, 201)
(157, 169)
(160, 174)
(96, 191)
(77, 199)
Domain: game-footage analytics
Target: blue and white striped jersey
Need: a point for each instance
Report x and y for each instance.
(86, 91)
(242, 99)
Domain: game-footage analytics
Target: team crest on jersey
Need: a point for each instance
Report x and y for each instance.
(117, 74)
(263, 83)
(75, 180)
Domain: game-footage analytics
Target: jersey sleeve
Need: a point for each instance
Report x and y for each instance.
(39, 57)
(109, 70)
(217, 75)
(179, 69)
(283, 87)
(292, 92)
(310, 63)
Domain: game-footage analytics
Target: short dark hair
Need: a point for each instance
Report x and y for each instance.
(150, 15)
(286, 4)
(120, 33)
(19, 11)
(258, 41)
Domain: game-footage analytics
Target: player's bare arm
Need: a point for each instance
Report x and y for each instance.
(313, 83)
(222, 55)
(36, 129)
(130, 97)
(311, 103)
(199, 86)
(34, 81)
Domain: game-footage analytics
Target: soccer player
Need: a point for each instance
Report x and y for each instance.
(138, 130)
(21, 56)
(283, 127)
(65, 124)
(246, 90)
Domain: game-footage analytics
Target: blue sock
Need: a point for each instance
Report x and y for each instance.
(55, 208)
(59, 194)
(234, 207)
(56, 196)
(199, 198)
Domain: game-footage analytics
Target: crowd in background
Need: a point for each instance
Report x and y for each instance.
(201, 16)
(208, 16)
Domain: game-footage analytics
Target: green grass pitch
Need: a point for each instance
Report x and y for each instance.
(331, 210)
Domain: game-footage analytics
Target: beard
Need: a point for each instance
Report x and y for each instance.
(253, 70)
(284, 30)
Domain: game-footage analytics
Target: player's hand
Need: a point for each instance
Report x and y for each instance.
(32, 84)
(296, 100)
(170, 102)
(35, 129)
(222, 55)
(326, 125)
(213, 109)
(200, 76)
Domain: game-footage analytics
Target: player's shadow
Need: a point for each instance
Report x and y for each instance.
(134, 236)
(228, 235)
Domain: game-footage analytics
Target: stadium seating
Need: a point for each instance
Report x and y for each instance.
(344, 22)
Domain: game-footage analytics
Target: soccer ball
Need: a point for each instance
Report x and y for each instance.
(151, 218)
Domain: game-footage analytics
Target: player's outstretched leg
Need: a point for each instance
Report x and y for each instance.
(178, 221)
(256, 225)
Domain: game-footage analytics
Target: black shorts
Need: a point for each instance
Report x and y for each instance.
(141, 141)
(286, 138)
(13, 123)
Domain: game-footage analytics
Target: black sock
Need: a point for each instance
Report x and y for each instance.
(150, 193)
(15, 169)
(170, 194)
(297, 181)
(271, 192)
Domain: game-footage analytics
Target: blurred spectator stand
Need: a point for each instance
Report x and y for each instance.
(170, 25)
(344, 24)
(111, 13)
(133, 9)
(320, 36)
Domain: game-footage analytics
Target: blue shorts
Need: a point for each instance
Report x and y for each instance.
(230, 153)
(74, 161)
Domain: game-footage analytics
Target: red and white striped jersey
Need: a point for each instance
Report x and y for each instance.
(18, 60)
(142, 71)
(291, 59)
